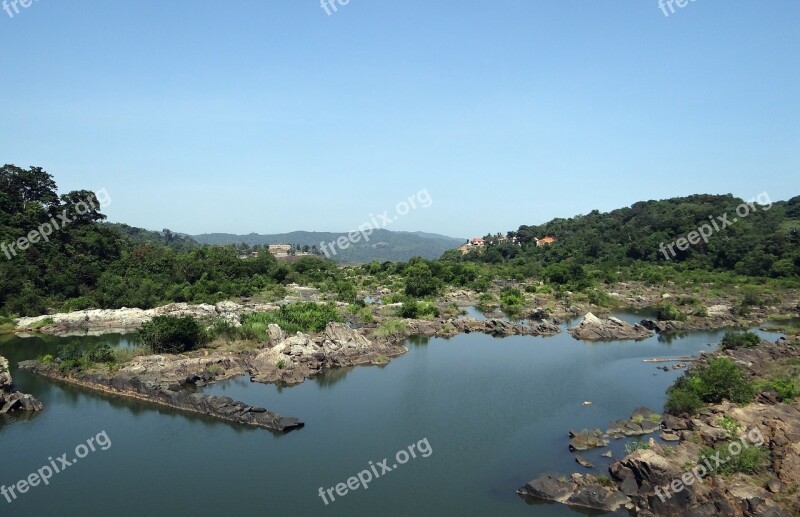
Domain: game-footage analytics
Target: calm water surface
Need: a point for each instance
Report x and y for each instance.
(496, 413)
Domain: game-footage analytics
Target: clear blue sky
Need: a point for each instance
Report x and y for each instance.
(272, 116)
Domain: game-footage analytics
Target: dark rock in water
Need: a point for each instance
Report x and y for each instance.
(598, 497)
(129, 385)
(593, 328)
(11, 400)
(539, 313)
(583, 462)
(581, 491)
(586, 440)
(643, 421)
(549, 488)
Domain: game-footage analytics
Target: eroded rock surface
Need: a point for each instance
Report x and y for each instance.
(592, 328)
(10, 399)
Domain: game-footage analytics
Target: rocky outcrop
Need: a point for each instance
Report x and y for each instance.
(592, 328)
(174, 396)
(11, 400)
(663, 327)
(302, 356)
(577, 490)
(492, 326)
(644, 482)
(104, 321)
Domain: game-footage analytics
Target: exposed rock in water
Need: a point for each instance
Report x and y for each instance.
(583, 462)
(592, 328)
(11, 400)
(303, 356)
(491, 326)
(586, 439)
(644, 481)
(126, 384)
(582, 491)
(642, 421)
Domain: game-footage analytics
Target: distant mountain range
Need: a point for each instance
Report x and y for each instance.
(383, 245)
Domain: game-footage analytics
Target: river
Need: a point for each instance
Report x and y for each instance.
(495, 413)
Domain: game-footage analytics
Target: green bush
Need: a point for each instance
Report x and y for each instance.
(735, 339)
(171, 335)
(668, 312)
(412, 309)
(784, 386)
(723, 379)
(682, 399)
(720, 379)
(101, 353)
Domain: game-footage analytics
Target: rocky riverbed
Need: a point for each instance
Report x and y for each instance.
(637, 482)
(10, 399)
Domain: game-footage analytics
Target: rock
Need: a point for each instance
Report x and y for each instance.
(774, 485)
(599, 497)
(548, 488)
(11, 400)
(669, 437)
(126, 384)
(592, 328)
(583, 462)
(585, 440)
(607, 454)
(539, 313)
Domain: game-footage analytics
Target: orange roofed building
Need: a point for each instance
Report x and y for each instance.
(550, 239)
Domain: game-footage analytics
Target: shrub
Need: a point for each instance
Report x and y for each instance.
(681, 399)
(412, 309)
(668, 312)
(101, 353)
(720, 379)
(723, 379)
(784, 386)
(171, 335)
(735, 339)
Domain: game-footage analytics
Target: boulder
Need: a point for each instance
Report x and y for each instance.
(592, 328)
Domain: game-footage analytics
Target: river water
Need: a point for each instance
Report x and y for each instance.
(495, 413)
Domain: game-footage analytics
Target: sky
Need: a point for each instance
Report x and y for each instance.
(271, 116)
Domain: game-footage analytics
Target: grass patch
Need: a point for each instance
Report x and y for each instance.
(391, 327)
(297, 317)
(751, 459)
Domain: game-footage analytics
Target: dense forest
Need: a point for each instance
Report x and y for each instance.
(88, 263)
(58, 253)
(762, 239)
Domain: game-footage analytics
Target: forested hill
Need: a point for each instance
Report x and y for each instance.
(383, 245)
(760, 239)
